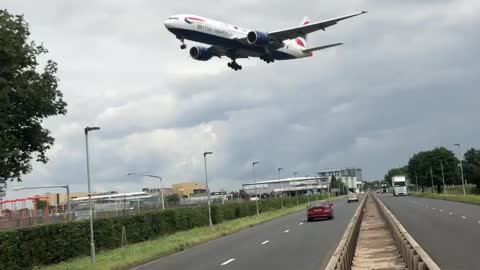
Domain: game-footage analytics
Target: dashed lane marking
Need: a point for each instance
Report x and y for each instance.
(227, 261)
(301, 223)
(286, 230)
(464, 217)
(264, 242)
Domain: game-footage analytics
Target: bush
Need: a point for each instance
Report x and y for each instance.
(54, 243)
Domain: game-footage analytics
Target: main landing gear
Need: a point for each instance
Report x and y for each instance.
(267, 59)
(234, 65)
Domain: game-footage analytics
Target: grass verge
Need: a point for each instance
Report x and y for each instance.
(471, 199)
(136, 254)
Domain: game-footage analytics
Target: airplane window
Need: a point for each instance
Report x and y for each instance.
(173, 18)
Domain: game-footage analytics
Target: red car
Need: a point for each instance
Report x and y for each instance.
(320, 210)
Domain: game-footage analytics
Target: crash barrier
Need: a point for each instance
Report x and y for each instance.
(415, 257)
(343, 255)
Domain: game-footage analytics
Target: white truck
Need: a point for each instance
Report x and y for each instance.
(399, 186)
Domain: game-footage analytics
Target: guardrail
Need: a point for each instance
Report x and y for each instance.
(343, 256)
(415, 257)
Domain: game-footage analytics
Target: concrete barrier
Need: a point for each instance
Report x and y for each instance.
(343, 255)
(413, 254)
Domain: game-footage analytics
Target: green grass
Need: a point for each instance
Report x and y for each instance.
(471, 199)
(139, 253)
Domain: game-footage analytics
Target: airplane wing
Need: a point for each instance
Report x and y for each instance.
(322, 47)
(295, 32)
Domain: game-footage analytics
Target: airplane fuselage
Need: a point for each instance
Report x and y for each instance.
(207, 31)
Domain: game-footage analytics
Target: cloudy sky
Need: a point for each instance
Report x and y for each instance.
(406, 80)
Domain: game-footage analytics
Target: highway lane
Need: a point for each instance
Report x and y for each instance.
(448, 231)
(286, 243)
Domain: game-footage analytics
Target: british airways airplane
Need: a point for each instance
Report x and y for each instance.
(237, 42)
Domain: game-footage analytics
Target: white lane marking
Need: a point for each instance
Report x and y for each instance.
(479, 222)
(433, 208)
(264, 242)
(441, 210)
(451, 213)
(464, 217)
(228, 261)
(301, 223)
(427, 206)
(286, 230)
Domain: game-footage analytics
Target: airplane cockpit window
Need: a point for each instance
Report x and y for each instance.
(173, 18)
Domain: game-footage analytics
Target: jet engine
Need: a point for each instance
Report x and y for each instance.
(200, 53)
(258, 38)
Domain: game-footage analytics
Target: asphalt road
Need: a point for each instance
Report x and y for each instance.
(286, 243)
(448, 231)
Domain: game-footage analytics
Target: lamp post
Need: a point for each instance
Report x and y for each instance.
(281, 192)
(255, 183)
(92, 242)
(296, 188)
(416, 180)
(208, 190)
(461, 168)
(162, 200)
(67, 187)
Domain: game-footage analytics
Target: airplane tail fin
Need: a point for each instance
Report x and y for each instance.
(305, 21)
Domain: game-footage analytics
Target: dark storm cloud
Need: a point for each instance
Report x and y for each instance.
(405, 80)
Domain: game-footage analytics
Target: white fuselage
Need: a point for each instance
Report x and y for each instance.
(228, 36)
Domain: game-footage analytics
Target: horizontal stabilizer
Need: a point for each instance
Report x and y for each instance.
(322, 47)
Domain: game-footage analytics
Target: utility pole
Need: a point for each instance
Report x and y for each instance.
(461, 168)
(443, 178)
(208, 189)
(296, 188)
(416, 180)
(92, 242)
(431, 177)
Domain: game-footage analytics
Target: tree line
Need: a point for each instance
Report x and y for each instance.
(439, 166)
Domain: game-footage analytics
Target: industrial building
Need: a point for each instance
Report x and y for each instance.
(185, 190)
(351, 178)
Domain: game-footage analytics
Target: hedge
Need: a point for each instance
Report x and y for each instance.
(54, 243)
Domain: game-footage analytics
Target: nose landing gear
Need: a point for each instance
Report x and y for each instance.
(183, 46)
(234, 65)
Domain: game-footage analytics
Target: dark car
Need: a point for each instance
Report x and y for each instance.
(320, 210)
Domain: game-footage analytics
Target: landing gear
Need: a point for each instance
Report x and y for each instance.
(234, 65)
(267, 59)
(183, 46)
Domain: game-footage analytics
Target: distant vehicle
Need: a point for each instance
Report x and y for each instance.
(362, 192)
(399, 186)
(237, 42)
(378, 191)
(320, 210)
(352, 197)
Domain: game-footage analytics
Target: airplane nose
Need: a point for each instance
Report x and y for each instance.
(168, 23)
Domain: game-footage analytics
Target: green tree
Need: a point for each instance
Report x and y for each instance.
(28, 95)
(420, 164)
(394, 172)
(471, 167)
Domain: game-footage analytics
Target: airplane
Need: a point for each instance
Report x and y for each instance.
(236, 42)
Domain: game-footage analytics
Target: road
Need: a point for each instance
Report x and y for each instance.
(448, 231)
(286, 243)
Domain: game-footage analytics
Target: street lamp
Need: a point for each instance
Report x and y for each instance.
(161, 185)
(208, 190)
(281, 191)
(461, 167)
(92, 242)
(296, 188)
(255, 183)
(67, 187)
